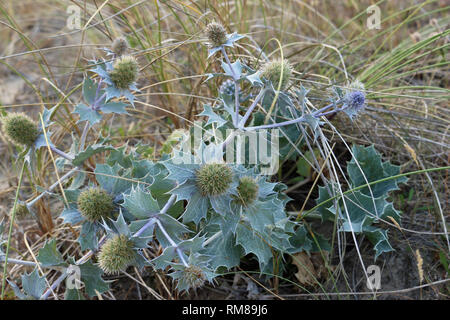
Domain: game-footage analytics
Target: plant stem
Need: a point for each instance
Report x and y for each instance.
(163, 230)
(180, 254)
(84, 135)
(54, 285)
(13, 216)
(61, 153)
(315, 114)
(250, 109)
(53, 186)
(236, 87)
(151, 222)
(21, 262)
(214, 237)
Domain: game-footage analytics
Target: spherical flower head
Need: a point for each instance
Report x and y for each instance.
(216, 33)
(227, 88)
(116, 254)
(20, 129)
(125, 72)
(247, 191)
(21, 211)
(95, 203)
(214, 179)
(120, 46)
(272, 72)
(355, 100)
(194, 277)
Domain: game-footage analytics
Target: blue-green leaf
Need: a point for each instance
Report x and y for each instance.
(212, 116)
(88, 236)
(89, 152)
(140, 204)
(89, 90)
(33, 285)
(196, 209)
(113, 179)
(91, 275)
(50, 256)
(87, 114)
(253, 243)
(114, 107)
(372, 168)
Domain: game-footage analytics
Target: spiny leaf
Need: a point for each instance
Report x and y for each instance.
(89, 152)
(87, 114)
(88, 236)
(212, 116)
(89, 90)
(50, 256)
(91, 275)
(196, 208)
(113, 179)
(33, 285)
(252, 243)
(140, 204)
(373, 169)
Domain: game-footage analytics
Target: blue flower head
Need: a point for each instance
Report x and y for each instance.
(354, 99)
(227, 87)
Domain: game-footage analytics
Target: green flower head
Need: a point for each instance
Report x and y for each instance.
(20, 129)
(125, 72)
(247, 191)
(216, 33)
(95, 203)
(272, 72)
(21, 211)
(214, 179)
(194, 277)
(116, 254)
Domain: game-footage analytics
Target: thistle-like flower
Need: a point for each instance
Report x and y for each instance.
(95, 203)
(354, 99)
(193, 276)
(247, 191)
(214, 179)
(20, 129)
(120, 76)
(119, 46)
(116, 254)
(124, 73)
(272, 71)
(21, 211)
(227, 87)
(216, 33)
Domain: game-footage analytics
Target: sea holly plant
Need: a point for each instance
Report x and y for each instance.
(204, 211)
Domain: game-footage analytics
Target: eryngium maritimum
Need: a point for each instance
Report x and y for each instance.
(95, 203)
(272, 71)
(20, 129)
(216, 33)
(124, 73)
(116, 254)
(214, 179)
